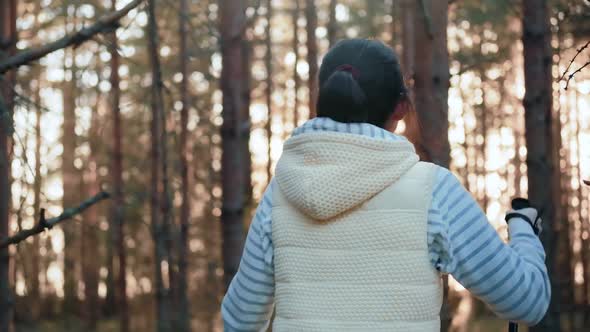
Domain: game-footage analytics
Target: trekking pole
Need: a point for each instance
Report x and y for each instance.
(518, 203)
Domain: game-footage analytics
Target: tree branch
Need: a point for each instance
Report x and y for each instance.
(44, 224)
(578, 51)
(570, 76)
(104, 24)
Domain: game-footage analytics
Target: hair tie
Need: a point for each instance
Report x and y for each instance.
(349, 68)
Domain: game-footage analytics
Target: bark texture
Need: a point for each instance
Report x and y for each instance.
(269, 86)
(71, 187)
(118, 203)
(332, 23)
(160, 203)
(430, 69)
(233, 134)
(183, 313)
(539, 137)
(312, 55)
(7, 47)
(296, 77)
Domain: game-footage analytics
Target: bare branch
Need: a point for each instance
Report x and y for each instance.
(104, 24)
(578, 51)
(570, 76)
(44, 224)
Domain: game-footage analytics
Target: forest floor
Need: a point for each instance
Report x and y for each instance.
(74, 325)
(484, 324)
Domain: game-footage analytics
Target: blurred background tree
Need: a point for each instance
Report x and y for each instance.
(180, 111)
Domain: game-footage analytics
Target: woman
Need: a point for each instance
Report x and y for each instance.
(353, 233)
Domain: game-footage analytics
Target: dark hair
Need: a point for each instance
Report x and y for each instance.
(360, 81)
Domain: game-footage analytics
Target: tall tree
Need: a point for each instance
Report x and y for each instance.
(584, 227)
(70, 175)
(231, 25)
(483, 123)
(408, 9)
(37, 183)
(245, 112)
(160, 200)
(8, 36)
(431, 85)
(332, 23)
(539, 134)
(268, 65)
(296, 77)
(561, 195)
(394, 25)
(371, 18)
(561, 188)
(431, 80)
(183, 321)
(89, 243)
(312, 55)
(118, 203)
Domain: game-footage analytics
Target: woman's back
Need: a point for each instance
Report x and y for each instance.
(350, 250)
(353, 232)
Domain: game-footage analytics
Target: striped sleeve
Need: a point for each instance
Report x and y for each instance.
(512, 279)
(249, 301)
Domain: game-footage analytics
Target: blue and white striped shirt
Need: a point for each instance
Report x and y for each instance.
(511, 279)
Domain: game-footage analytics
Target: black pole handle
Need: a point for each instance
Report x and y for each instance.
(512, 327)
(520, 203)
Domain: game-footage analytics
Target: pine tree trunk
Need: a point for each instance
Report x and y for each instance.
(37, 182)
(109, 306)
(35, 305)
(584, 227)
(408, 8)
(118, 203)
(393, 11)
(71, 179)
(431, 85)
(517, 162)
(160, 199)
(371, 15)
(246, 125)
(269, 73)
(296, 77)
(561, 221)
(89, 243)
(312, 55)
(183, 321)
(8, 37)
(483, 171)
(539, 140)
(332, 23)
(431, 80)
(71, 187)
(233, 134)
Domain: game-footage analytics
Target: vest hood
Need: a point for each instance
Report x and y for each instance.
(324, 174)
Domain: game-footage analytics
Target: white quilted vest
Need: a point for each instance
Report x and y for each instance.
(366, 268)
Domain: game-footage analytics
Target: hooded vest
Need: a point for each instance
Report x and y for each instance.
(349, 225)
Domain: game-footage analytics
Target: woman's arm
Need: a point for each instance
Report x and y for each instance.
(512, 279)
(248, 303)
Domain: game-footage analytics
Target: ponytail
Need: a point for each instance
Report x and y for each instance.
(341, 98)
(360, 81)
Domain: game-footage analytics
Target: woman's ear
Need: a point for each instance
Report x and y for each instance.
(401, 110)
